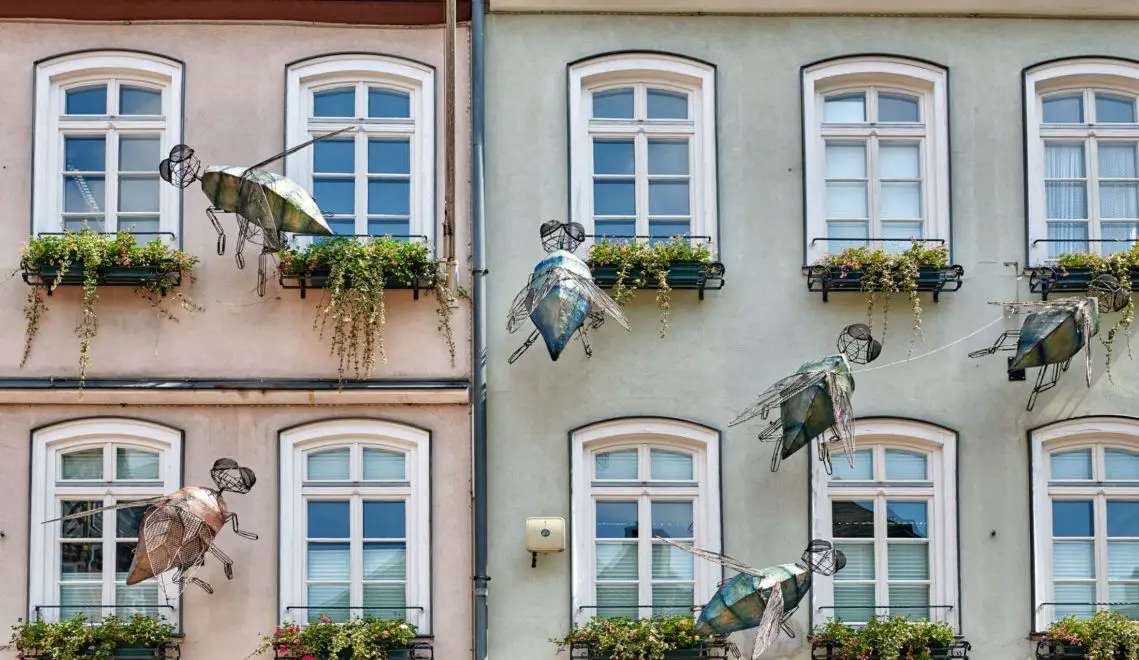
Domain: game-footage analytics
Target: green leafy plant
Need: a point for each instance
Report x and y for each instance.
(638, 263)
(890, 638)
(368, 638)
(1119, 265)
(1105, 636)
(358, 274)
(94, 254)
(622, 638)
(73, 638)
(886, 273)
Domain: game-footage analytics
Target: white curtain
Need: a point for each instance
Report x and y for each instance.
(1066, 200)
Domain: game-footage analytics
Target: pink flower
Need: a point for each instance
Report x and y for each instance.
(325, 619)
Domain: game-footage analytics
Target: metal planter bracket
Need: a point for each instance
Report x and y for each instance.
(825, 279)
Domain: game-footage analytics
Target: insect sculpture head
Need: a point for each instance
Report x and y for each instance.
(229, 476)
(822, 557)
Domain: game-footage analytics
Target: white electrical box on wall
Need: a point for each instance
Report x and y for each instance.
(545, 534)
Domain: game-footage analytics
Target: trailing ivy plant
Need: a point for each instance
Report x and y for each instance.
(888, 638)
(640, 263)
(888, 273)
(368, 638)
(359, 272)
(1105, 636)
(622, 638)
(1119, 265)
(65, 640)
(94, 253)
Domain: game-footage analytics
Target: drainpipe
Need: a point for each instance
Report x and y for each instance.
(478, 335)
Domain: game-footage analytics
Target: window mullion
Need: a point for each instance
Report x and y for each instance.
(1092, 197)
(644, 555)
(641, 177)
(356, 553)
(109, 564)
(361, 179)
(111, 183)
(874, 229)
(881, 566)
(1103, 591)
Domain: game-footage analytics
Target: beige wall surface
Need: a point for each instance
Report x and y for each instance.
(234, 113)
(722, 352)
(227, 625)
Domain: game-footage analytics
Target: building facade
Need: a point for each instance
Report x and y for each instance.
(362, 497)
(785, 138)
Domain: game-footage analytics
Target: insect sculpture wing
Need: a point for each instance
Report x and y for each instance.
(723, 560)
(121, 505)
(542, 283)
(781, 391)
(768, 628)
(843, 413)
(1085, 313)
(170, 538)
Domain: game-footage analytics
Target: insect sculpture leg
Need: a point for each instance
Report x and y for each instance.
(998, 345)
(1042, 385)
(242, 236)
(212, 213)
(226, 562)
(184, 576)
(261, 264)
(522, 349)
(246, 535)
(581, 334)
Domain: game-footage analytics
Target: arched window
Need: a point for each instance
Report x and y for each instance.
(378, 178)
(1085, 513)
(80, 566)
(634, 479)
(643, 146)
(104, 120)
(876, 166)
(355, 512)
(1082, 139)
(894, 515)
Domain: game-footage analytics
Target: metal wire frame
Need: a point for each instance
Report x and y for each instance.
(823, 278)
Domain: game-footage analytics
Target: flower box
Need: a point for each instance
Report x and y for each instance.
(705, 651)
(318, 279)
(167, 651)
(413, 651)
(107, 276)
(681, 275)
(1059, 279)
(826, 649)
(937, 280)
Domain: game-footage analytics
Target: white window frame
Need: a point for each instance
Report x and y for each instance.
(53, 78)
(1100, 74)
(651, 69)
(630, 433)
(417, 80)
(940, 445)
(48, 444)
(415, 444)
(1080, 433)
(927, 81)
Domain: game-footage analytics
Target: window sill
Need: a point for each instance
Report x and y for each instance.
(681, 275)
(828, 650)
(706, 651)
(167, 651)
(318, 279)
(1056, 279)
(1054, 649)
(111, 276)
(418, 650)
(826, 279)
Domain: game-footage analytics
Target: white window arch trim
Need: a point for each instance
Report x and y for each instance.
(702, 441)
(48, 445)
(1083, 432)
(940, 446)
(53, 77)
(415, 444)
(667, 71)
(1104, 73)
(418, 80)
(927, 80)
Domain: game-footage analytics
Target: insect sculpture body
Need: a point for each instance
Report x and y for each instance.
(177, 530)
(761, 598)
(560, 296)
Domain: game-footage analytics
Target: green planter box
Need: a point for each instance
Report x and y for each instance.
(1053, 649)
(413, 652)
(709, 651)
(828, 279)
(110, 276)
(828, 650)
(123, 652)
(1055, 279)
(318, 279)
(681, 275)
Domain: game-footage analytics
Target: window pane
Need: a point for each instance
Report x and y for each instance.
(139, 101)
(614, 228)
(902, 465)
(908, 561)
(1071, 236)
(910, 600)
(1118, 231)
(385, 561)
(334, 156)
(669, 198)
(335, 195)
(1114, 109)
(1074, 593)
(386, 601)
(387, 103)
(613, 157)
(80, 599)
(897, 107)
(383, 465)
(83, 194)
(863, 469)
(389, 197)
(1064, 160)
(1122, 465)
(385, 227)
(1072, 518)
(900, 160)
(1123, 560)
(616, 520)
(339, 102)
(94, 223)
(87, 100)
(613, 104)
(1073, 559)
(85, 154)
(140, 598)
(853, 520)
(389, 156)
(328, 561)
(1125, 593)
(138, 194)
(1123, 518)
(135, 464)
(845, 108)
(1116, 160)
(846, 160)
(340, 226)
(82, 464)
(844, 235)
(617, 561)
(670, 563)
(668, 157)
(1071, 464)
(1064, 109)
(853, 602)
(662, 230)
(859, 561)
(329, 465)
(139, 154)
(672, 599)
(621, 464)
(617, 600)
(139, 224)
(670, 465)
(90, 527)
(127, 522)
(667, 105)
(846, 200)
(328, 519)
(1066, 199)
(1119, 200)
(385, 520)
(904, 230)
(900, 200)
(672, 520)
(328, 600)
(81, 561)
(614, 198)
(907, 520)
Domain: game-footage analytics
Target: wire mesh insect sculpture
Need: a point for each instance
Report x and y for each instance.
(177, 530)
(761, 598)
(266, 204)
(560, 297)
(815, 400)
